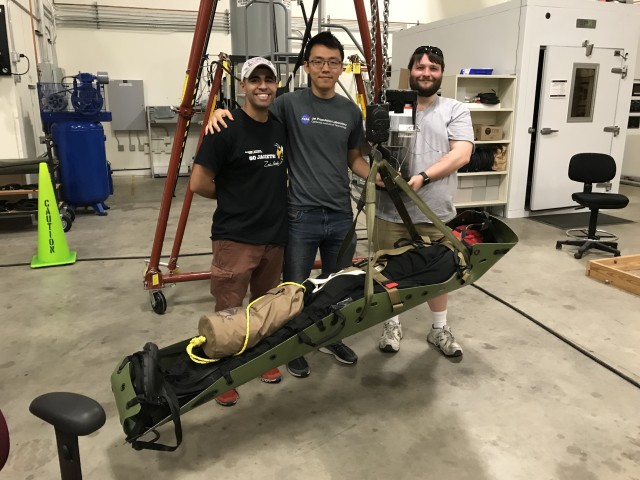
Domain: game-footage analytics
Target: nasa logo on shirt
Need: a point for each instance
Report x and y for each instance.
(305, 119)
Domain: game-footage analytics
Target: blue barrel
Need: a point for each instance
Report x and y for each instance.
(83, 162)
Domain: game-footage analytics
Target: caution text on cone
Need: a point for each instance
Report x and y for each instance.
(52, 244)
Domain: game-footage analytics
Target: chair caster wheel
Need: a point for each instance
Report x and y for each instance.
(558, 246)
(577, 255)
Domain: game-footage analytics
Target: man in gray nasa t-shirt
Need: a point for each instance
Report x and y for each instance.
(321, 133)
(443, 145)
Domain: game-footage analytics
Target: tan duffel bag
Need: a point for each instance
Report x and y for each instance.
(234, 330)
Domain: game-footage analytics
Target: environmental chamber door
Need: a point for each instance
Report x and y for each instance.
(577, 103)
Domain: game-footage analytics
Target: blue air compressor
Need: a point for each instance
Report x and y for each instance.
(71, 113)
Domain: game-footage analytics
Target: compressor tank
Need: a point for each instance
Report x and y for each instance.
(260, 40)
(84, 169)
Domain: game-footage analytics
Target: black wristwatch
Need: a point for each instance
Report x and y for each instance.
(425, 178)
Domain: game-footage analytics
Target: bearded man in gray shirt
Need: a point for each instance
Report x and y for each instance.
(443, 144)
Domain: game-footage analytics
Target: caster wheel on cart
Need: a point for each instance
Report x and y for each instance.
(72, 213)
(64, 208)
(66, 221)
(158, 302)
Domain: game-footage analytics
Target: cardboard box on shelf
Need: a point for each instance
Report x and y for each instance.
(403, 79)
(487, 132)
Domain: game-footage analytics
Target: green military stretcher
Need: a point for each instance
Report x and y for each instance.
(148, 386)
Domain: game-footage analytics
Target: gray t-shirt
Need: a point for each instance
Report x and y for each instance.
(320, 133)
(444, 120)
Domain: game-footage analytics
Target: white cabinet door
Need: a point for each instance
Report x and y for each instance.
(578, 100)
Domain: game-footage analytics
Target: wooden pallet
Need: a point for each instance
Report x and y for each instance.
(621, 272)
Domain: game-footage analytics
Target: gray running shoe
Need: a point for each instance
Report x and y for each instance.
(390, 339)
(443, 339)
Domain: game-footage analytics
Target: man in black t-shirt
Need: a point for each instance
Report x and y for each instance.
(244, 168)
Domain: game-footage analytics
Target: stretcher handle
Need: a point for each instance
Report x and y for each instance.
(342, 322)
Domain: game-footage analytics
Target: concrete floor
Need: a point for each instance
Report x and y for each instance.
(521, 404)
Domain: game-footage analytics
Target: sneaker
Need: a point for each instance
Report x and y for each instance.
(272, 376)
(341, 352)
(390, 339)
(298, 367)
(228, 399)
(443, 339)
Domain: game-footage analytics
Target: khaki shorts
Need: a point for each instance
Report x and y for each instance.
(385, 234)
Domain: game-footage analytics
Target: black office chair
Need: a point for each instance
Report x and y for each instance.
(590, 168)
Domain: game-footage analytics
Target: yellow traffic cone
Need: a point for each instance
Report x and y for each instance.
(52, 245)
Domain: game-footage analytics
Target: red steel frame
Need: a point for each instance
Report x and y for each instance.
(365, 35)
(154, 278)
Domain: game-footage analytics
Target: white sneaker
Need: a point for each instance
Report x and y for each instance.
(390, 339)
(443, 339)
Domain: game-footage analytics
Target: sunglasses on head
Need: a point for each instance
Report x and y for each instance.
(429, 49)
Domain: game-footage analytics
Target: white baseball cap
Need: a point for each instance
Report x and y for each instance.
(255, 62)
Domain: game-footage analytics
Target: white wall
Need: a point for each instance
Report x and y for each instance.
(617, 27)
(158, 59)
(407, 11)
(411, 12)
(20, 125)
(10, 141)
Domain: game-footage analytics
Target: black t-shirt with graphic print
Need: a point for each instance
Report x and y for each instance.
(248, 161)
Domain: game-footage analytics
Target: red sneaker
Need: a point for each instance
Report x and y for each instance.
(272, 376)
(228, 399)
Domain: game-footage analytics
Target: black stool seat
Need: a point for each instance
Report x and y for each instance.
(70, 413)
(601, 200)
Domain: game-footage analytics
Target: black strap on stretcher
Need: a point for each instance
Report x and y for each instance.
(338, 319)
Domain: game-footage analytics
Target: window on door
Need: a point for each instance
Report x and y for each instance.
(583, 92)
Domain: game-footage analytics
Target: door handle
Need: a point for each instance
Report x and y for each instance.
(612, 129)
(548, 131)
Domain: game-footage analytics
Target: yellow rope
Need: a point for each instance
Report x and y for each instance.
(197, 342)
(246, 337)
